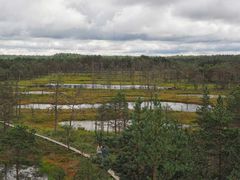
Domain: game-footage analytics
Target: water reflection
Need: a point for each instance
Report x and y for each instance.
(107, 126)
(37, 92)
(25, 172)
(107, 86)
(174, 106)
(199, 95)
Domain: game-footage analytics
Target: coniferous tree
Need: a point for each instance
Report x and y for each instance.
(153, 147)
(205, 110)
(215, 136)
(18, 146)
(218, 125)
(120, 113)
(234, 103)
(7, 103)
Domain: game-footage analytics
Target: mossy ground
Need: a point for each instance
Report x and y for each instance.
(57, 162)
(43, 120)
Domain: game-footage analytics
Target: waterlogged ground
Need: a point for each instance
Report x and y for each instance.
(37, 92)
(106, 126)
(174, 106)
(113, 78)
(107, 86)
(25, 172)
(94, 90)
(199, 95)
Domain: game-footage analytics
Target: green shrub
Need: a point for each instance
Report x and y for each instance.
(53, 172)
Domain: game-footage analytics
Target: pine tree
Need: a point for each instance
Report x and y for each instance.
(7, 103)
(120, 113)
(233, 102)
(18, 145)
(213, 138)
(153, 147)
(205, 109)
(219, 123)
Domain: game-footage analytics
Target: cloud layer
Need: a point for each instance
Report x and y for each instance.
(132, 27)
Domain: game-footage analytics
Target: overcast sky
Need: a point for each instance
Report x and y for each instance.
(122, 27)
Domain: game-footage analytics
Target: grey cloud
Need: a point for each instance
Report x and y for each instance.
(147, 2)
(112, 26)
(210, 10)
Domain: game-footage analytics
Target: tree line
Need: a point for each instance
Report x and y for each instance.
(219, 69)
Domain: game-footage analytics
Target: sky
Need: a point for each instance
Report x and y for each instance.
(120, 27)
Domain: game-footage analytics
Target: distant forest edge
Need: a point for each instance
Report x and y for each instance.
(222, 70)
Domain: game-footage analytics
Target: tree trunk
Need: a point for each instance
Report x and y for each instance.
(154, 172)
(115, 126)
(56, 107)
(115, 121)
(220, 159)
(17, 171)
(16, 96)
(55, 117)
(5, 171)
(220, 166)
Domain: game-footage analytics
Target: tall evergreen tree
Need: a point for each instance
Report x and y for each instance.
(205, 110)
(153, 147)
(7, 103)
(120, 113)
(18, 146)
(214, 139)
(234, 103)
